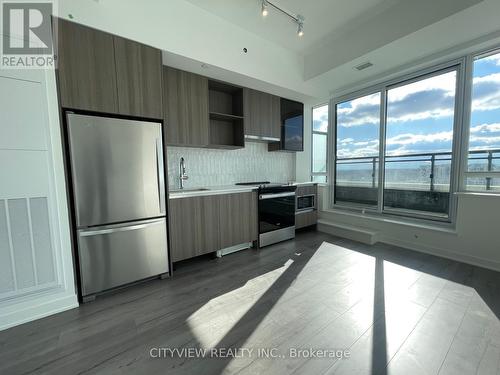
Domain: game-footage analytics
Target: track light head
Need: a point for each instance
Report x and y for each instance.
(300, 27)
(265, 11)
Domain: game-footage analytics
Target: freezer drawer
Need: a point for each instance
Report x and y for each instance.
(115, 255)
(117, 169)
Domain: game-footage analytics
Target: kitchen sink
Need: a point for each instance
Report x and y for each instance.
(187, 190)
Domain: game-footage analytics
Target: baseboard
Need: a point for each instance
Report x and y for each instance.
(371, 237)
(36, 308)
(432, 250)
(362, 235)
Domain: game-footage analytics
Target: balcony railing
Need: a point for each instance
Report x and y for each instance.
(433, 159)
(415, 181)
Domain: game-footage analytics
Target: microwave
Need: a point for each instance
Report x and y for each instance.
(305, 202)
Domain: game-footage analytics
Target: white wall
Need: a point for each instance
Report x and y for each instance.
(36, 268)
(303, 159)
(475, 240)
(210, 167)
(184, 29)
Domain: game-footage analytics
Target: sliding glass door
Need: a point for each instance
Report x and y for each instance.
(407, 128)
(419, 143)
(357, 151)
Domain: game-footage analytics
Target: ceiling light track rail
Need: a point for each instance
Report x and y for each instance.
(298, 19)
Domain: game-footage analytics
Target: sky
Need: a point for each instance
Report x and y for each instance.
(420, 115)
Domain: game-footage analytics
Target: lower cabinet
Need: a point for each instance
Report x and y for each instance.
(305, 219)
(204, 224)
(238, 219)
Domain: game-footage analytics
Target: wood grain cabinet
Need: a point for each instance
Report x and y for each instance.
(238, 219)
(102, 72)
(185, 108)
(86, 68)
(262, 115)
(201, 225)
(138, 78)
(194, 226)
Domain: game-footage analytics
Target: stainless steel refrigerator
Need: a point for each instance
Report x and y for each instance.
(119, 200)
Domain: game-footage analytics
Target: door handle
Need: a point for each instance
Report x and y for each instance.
(278, 195)
(114, 228)
(161, 175)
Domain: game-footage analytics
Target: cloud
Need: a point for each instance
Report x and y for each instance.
(485, 128)
(412, 139)
(494, 58)
(361, 111)
(435, 103)
(433, 97)
(485, 136)
(320, 118)
(486, 93)
(482, 136)
(348, 148)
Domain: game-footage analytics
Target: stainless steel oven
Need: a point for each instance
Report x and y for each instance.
(276, 214)
(305, 202)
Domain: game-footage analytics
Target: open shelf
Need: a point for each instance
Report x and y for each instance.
(226, 115)
(227, 133)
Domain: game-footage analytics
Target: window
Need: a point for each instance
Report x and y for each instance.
(483, 167)
(319, 143)
(418, 144)
(407, 130)
(357, 151)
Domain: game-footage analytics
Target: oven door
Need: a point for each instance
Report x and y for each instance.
(276, 211)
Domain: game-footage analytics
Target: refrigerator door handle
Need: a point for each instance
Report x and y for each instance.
(120, 227)
(161, 174)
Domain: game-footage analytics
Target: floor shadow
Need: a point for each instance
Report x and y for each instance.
(97, 336)
(485, 282)
(249, 322)
(379, 338)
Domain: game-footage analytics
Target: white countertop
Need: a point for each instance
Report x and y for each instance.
(215, 190)
(304, 183)
(209, 190)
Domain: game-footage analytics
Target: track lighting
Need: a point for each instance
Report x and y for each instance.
(298, 19)
(265, 11)
(300, 23)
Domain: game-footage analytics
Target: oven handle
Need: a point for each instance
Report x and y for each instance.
(279, 195)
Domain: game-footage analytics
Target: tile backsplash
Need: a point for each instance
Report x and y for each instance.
(209, 167)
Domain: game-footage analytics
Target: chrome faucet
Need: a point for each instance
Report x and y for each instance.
(182, 174)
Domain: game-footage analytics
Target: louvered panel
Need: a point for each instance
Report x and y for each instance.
(7, 283)
(27, 262)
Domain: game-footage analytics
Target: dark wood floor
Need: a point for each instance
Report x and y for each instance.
(391, 310)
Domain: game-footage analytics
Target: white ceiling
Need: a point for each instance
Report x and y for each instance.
(394, 35)
(323, 18)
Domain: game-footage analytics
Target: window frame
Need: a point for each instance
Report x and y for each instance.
(325, 174)
(467, 114)
(456, 173)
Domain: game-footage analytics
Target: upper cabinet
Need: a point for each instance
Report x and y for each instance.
(101, 72)
(86, 68)
(185, 104)
(292, 127)
(262, 115)
(226, 115)
(138, 78)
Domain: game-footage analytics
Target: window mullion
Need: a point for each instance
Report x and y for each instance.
(466, 121)
(381, 158)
